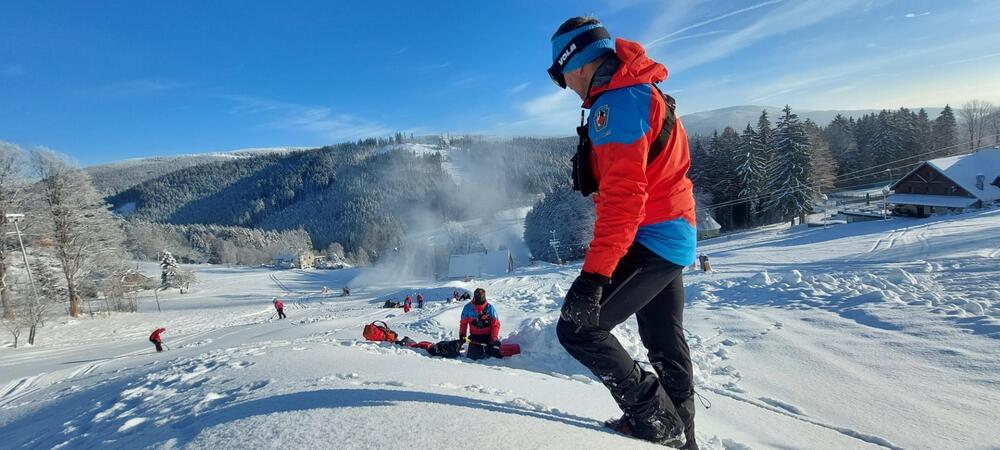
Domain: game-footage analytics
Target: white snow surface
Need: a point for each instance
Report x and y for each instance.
(867, 335)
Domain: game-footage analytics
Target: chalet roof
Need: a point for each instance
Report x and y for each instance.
(963, 170)
(946, 201)
(706, 222)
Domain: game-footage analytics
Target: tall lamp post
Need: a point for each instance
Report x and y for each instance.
(555, 246)
(15, 219)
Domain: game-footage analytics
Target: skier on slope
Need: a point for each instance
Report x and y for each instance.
(156, 339)
(407, 304)
(480, 321)
(280, 307)
(634, 152)
(420, 301)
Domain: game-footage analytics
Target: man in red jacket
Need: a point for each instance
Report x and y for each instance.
(482, 325)
(280, 307)
(633, 155)
(156, 340)
(407, 304)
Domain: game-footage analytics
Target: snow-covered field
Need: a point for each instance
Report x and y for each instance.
(868, 335)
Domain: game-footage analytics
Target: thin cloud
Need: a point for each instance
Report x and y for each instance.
(13, 70)
(913, 15)
(897, 65)
(555, 113)
(320, 121)
(518, 88)
(690, 36)
(660, 40)
(800, 15)
(140, 87)
(430, 67)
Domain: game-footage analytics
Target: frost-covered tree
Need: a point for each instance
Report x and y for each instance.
(823, 166)
(77, 220)
(789, 173)
(975, 121)
(15, 323)
(764, 132)
(945, 130)
(751, 169)
(843, 146)
(11, 162)
(564, 215)
(47, 288)
(168, 269)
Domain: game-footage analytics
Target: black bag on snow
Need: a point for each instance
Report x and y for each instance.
(446, 349)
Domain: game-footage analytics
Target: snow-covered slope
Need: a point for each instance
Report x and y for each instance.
(868, 335)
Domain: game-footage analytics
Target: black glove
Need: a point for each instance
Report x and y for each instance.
(583, 301)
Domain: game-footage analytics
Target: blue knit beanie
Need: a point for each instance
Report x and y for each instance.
(593, 51)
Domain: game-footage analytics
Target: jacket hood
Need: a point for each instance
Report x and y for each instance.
(635, 68)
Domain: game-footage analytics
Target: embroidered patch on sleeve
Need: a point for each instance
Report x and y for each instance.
(601, 120)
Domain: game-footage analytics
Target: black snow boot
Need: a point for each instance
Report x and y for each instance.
(685, 409)
(652, 429)
(649, 413)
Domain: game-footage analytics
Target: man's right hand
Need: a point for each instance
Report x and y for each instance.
(582, 305)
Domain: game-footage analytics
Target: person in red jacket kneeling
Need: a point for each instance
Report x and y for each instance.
(156, 340)
(480, 320)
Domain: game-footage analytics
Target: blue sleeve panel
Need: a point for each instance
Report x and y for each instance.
(625, 114)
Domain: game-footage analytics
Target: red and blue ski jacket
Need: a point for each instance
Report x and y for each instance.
(479, 320)
(649, 203)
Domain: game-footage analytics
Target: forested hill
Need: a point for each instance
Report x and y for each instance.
(705, 122)
(364, 195)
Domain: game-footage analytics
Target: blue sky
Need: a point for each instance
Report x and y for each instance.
(103, 81)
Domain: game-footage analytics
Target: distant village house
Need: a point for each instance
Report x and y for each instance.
(947, 185)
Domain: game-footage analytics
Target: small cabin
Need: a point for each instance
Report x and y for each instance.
(304, 260)
(708, 227)
(947, 185)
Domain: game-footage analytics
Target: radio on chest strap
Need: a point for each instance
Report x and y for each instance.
(583, 176)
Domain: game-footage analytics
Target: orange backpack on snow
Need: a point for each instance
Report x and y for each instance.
(376, 332)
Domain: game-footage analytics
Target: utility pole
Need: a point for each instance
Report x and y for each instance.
(15, 218)
(555, 246)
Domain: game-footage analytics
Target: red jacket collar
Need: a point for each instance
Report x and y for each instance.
(636, 68)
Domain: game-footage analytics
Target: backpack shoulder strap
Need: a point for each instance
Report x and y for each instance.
(669, 119)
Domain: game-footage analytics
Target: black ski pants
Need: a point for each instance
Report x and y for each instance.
(652, 288)
(481, 346)
(158, 344)
(281, 313)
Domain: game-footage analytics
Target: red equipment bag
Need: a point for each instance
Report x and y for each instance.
(378, 333)
(507, 350)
